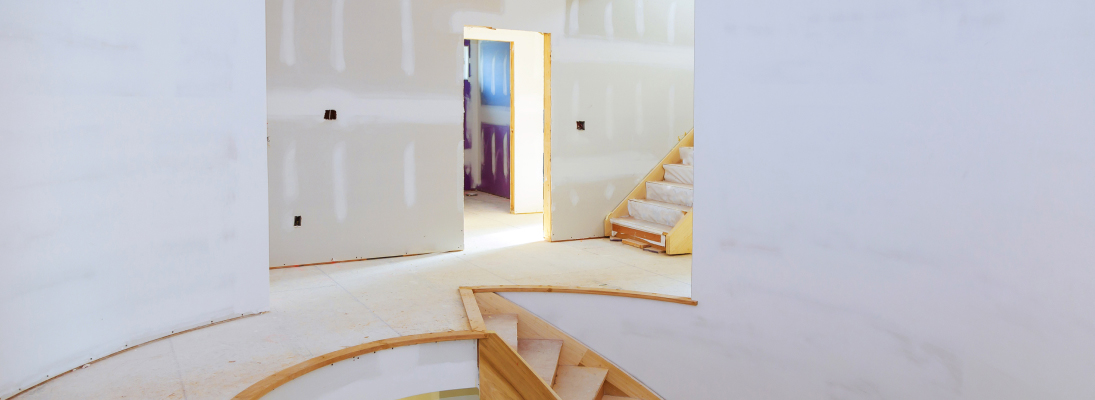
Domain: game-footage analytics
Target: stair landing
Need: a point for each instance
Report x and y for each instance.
(579, 383)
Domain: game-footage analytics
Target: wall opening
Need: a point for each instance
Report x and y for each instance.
(506, 118)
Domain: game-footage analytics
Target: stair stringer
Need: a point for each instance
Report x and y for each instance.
(679, 240)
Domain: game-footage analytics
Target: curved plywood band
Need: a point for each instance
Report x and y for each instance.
(584, 290)
(279, 378)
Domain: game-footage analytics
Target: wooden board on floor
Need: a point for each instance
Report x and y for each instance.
(636, 243)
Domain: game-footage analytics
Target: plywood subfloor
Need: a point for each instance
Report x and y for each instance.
(319, 309)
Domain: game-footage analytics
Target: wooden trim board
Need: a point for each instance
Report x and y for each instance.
(583, 290)
(547, 137)
(512, 129)
(268, 384)
(475, 317)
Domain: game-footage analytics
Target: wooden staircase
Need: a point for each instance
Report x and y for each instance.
(524, 357)
(657, 215)
(570, 382)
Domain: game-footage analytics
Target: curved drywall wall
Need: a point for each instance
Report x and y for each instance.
(897, 204)
(132, 176)
(390, 374)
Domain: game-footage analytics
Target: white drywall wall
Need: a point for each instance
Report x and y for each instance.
(625, 68)
(386, 177)
(528, 114)
(898, 203)
(390, 374)
(392, 70)
(132, 176)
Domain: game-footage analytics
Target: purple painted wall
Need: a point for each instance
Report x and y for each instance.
(494, 86)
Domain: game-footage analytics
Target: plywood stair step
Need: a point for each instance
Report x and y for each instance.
(542, 355)
(660, 212)
(687, 155)
(670, 192)
(579, 383)
(607, 397)
(679, 173)
(640, 225)
(505, 325)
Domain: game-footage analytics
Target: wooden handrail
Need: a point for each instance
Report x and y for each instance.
(261, 388)
(579, 290)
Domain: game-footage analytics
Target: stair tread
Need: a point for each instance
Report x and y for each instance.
(642, 225)
(607, 397)
(505, 325)
(668, 183)
(687, 155)
(670, 192)
(579, 383)
(663, 204)
(679, 173)
(542, 355)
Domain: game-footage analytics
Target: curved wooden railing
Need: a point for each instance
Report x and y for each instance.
(583, 290)
(256, 391)
(509, 366)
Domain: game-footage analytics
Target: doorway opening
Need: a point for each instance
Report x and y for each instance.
(507, 127)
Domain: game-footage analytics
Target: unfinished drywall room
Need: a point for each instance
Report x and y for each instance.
(269, 199)
(206, 194)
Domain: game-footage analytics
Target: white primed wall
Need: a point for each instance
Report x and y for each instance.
(390, 374)
(401, 84)
(133, 176)
(898, 204)
(528, 124)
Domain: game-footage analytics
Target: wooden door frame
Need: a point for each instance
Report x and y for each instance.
(547, 137)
